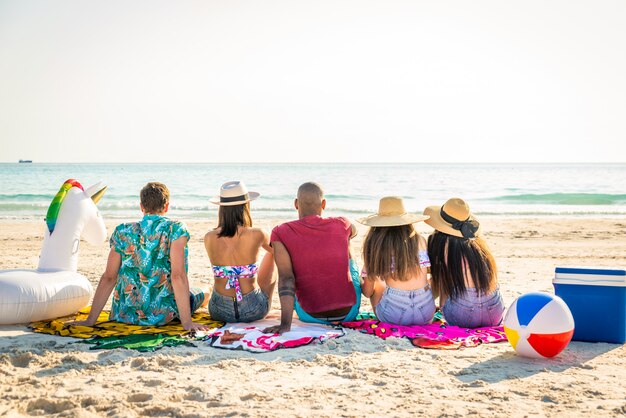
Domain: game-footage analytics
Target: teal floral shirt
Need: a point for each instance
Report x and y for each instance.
(143, 293)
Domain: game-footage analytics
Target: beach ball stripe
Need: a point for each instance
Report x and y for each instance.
(512, 336)
(531, 307)
(538, 325)
(550, 345)
(552, 318)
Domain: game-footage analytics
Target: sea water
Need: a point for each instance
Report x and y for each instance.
(352, 190)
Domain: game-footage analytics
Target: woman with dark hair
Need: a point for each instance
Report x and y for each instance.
(463, 270)
(395, 266)
(243, 288)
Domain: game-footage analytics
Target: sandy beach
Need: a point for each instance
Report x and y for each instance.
(515, 107)
(353, 376)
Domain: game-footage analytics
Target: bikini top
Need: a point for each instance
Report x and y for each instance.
(232, 274)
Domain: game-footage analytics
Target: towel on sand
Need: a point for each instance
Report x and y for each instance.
(139, 342)
(438, 335)
(106, 328)
(249, 336)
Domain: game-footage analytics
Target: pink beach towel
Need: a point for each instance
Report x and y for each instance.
(437, 335)
(249, 336)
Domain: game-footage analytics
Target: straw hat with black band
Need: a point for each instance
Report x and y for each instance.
(453, 218)
(234, 193)
(391, 212)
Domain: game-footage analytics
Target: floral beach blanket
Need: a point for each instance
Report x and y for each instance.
(438, 335)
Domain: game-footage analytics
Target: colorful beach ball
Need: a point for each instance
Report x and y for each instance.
(539, 325)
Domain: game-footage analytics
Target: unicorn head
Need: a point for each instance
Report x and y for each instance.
(72, 212)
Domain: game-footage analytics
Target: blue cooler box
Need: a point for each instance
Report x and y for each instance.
(597, 298)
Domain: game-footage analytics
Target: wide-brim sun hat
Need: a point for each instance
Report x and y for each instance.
(234, 193)
(453, 218)
(391, 212)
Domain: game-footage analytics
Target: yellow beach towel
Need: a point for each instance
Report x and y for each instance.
(106, 328)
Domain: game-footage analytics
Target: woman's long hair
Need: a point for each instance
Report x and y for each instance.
(391, 252)
(451, 257)
(231, 217)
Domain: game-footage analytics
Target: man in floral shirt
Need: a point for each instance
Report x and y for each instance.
(147, 269)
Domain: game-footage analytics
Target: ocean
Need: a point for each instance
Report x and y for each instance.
(352, 190)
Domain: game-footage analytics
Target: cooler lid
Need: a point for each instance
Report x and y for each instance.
(593, 276)
(611, 271)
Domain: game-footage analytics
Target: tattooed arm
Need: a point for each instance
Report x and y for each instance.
(286, 289)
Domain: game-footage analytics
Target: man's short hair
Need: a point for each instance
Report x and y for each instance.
(310, 199)
(311, 189)
(154, 196)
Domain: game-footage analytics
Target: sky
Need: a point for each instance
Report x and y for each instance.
(313, 81)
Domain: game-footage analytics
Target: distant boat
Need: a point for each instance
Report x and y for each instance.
(26, 161)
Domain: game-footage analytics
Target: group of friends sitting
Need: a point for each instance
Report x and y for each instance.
(403, 273)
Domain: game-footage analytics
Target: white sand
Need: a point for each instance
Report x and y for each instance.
(356, 375)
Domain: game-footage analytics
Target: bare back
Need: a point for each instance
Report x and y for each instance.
(239, 250)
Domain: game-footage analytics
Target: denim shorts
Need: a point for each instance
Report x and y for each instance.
(406, 307)
(472, 310)
(254, 306)
(196, 298)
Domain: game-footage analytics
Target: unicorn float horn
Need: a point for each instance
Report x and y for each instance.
(72, 212)
(96, 191)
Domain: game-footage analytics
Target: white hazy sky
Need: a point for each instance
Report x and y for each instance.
(339, 80)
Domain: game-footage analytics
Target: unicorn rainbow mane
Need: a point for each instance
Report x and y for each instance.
(55, 205)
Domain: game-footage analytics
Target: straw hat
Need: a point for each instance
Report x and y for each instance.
(391, 212)
(453, 218)
(234, 193)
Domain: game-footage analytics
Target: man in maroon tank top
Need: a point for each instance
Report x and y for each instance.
(312, 254)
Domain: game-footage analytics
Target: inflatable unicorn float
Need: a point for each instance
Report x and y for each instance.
(55, 289)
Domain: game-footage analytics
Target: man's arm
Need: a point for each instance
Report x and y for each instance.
(353, 231)
(286, 289)
(104, 289)
(180, 285)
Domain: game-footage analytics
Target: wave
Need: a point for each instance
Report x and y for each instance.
(564, 199)
(26, 196)
(353, 206)
(17, 206)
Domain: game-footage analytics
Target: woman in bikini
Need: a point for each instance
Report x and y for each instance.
(463, 270)
(395, 266)
(243, 287)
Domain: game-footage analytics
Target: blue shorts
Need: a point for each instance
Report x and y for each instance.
(406, 307)
(196, 298)
(472, 310)
(254, 306)
(350, 316)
